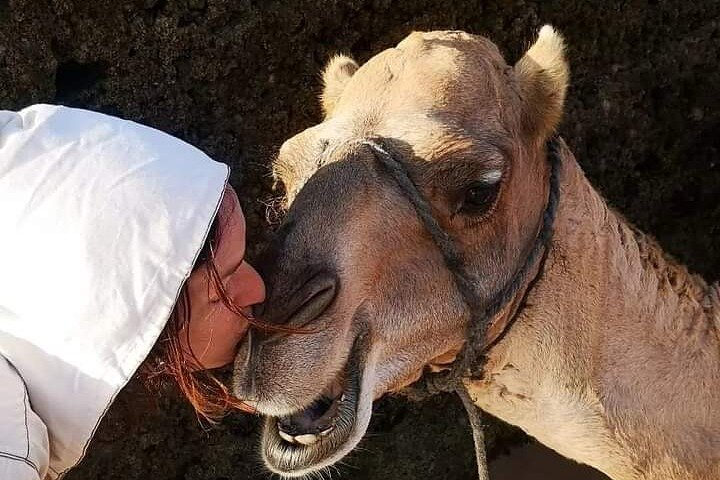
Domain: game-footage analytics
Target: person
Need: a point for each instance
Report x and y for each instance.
(120, 247)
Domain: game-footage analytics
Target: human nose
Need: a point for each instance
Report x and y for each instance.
(247, 286)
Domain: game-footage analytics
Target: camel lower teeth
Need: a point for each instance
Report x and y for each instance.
(326, 432)
(307, 439)
(288, 438)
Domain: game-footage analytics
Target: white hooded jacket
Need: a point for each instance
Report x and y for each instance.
(101, 221)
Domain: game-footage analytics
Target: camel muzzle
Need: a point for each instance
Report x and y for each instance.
(304, 441)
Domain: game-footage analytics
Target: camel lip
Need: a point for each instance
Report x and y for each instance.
(292, 458)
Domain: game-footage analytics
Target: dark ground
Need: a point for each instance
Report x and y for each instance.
(236, 77)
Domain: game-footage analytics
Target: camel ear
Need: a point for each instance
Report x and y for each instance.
(335, 77)
(543, 75)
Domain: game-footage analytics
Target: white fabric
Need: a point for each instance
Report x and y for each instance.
(24, 451)
(101, 220)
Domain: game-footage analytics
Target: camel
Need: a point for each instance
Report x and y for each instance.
(612, 358)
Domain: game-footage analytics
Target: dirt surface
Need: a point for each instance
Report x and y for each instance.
(533, 461)
(236, 77)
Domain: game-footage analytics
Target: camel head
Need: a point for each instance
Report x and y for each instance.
(353, 266)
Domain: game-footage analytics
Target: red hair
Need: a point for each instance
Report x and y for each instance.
(209, 396)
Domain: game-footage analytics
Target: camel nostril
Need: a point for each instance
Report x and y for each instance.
(297, 296)
(258, 310)
(313, 301)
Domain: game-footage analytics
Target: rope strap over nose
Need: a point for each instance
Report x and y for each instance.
(471, 359)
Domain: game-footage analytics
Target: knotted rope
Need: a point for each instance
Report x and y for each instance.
(471, 359)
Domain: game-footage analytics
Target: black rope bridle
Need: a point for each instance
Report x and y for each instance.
(471, 358)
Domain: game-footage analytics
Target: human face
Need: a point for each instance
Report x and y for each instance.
(213, 331)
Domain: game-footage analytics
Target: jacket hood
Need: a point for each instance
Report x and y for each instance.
(102, 220)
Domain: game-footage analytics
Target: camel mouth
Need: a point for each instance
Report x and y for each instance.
(319, 435)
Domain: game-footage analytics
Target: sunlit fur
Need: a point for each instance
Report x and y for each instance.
(614, 360)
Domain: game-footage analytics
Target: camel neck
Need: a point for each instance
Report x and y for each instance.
(634, 330)
(627, 275)
(613, 360)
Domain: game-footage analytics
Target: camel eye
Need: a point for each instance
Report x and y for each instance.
(479, 198)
